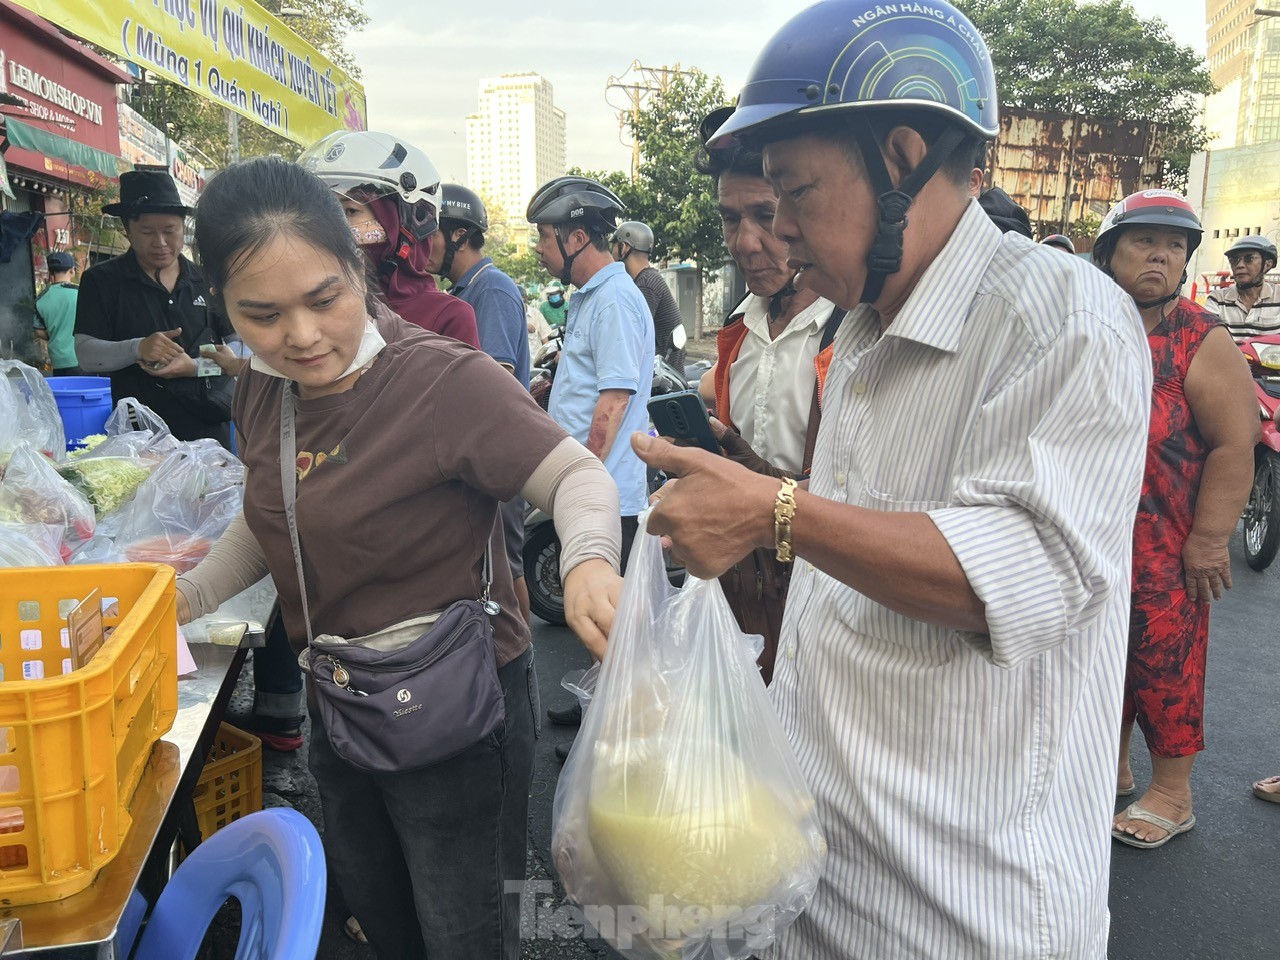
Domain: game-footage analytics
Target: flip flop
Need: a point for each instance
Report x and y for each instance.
(1267, 795)
(1135, 812)
(1126, 791)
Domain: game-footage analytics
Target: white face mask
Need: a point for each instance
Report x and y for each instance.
(371, 345)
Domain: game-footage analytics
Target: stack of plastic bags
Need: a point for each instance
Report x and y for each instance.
(682, 823)
(135, 493)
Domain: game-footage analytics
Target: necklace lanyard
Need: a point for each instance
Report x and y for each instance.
(456, 290)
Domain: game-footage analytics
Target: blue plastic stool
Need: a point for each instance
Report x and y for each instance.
(270, 861)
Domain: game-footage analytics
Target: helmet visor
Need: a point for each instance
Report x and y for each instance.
(359, 187)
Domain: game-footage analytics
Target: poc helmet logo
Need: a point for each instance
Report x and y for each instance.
(404, 696)
(580, 211)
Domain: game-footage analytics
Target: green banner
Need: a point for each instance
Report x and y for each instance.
(27, 137)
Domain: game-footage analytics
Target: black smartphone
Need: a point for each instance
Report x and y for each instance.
(683, 415)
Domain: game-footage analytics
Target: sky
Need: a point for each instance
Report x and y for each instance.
(422, 73)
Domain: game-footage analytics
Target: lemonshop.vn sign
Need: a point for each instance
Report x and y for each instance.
(232, 51)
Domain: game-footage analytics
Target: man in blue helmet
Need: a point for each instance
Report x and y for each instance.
(951, 655)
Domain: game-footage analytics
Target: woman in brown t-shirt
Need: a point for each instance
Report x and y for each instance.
(407, 441)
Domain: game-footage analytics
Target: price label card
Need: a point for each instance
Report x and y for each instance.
(84, 627)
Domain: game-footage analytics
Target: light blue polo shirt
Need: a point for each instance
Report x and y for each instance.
(608, 345)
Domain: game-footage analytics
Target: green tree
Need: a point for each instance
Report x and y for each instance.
(1097, 59)
(678, 204)
(518, 263)
(202, 123)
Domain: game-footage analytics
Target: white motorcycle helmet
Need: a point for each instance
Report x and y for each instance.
(363, 165)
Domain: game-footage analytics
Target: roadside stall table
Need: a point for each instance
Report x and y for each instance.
(100, 922)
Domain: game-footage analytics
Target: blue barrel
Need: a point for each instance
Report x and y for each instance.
(84, 403)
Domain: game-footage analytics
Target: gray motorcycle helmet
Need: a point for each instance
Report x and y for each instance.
(1261, 244)
(637, 235)
(575, 202)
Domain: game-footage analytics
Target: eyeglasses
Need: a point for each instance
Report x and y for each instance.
(1246, 258)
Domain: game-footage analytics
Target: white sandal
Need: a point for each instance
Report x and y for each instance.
(1135, 812)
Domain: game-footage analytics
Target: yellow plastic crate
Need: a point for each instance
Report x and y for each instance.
(230, 786)
(73, 745)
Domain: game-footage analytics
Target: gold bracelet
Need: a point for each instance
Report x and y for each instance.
(784, 509)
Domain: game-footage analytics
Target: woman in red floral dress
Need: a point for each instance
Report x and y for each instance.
(1204, 425)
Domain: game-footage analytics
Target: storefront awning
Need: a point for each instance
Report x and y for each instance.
(26, 136)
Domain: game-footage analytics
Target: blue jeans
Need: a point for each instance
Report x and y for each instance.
(423, 858)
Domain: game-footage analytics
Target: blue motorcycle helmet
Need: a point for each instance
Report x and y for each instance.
(850, 57)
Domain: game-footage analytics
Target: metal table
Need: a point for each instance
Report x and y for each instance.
(87, 926)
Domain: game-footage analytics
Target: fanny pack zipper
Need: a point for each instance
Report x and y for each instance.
(342, 678)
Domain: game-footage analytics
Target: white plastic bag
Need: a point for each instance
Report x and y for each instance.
(30, 545)
(98, 550)
(32, 491)
(183, 507)
(29, 412)
(682, 824)
(131, 416)
(135, 430)
(582, 684)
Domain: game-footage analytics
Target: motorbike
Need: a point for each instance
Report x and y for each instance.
(542, 372)
(1262, 515)
(541, 544)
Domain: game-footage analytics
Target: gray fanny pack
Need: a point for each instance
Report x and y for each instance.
(411, 695)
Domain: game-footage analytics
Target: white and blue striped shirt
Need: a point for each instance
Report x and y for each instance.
(966, 782)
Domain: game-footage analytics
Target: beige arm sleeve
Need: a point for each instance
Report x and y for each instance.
(235, 563)
(576, 489)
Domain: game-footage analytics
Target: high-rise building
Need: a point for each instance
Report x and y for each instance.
(1244, 62)
(515, 143)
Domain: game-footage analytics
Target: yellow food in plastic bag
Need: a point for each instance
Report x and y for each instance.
(686, 841)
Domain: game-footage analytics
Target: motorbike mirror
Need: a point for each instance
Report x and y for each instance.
(679, 338)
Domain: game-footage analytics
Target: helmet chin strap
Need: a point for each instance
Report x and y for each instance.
(1252, 285)
(885, 256)
(400, 253)
(566, 272)
(451, 248)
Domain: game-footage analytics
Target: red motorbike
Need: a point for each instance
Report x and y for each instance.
(1262, 515)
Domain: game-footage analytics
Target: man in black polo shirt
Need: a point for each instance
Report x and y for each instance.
(143, 316)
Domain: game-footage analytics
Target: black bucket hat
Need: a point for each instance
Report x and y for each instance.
(147, 191)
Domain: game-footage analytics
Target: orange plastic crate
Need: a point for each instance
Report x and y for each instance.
(230, 786)
(73, 745)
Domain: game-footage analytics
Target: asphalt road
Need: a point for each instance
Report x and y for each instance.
(1208, 895)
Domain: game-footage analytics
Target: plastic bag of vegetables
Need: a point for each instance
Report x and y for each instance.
(28, 412)
(183, 507)
(32, 491)
(682, 820)
(108, 483)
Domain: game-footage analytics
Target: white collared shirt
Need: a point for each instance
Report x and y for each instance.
(771, 381)
(1262, 317)
(966, 782)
